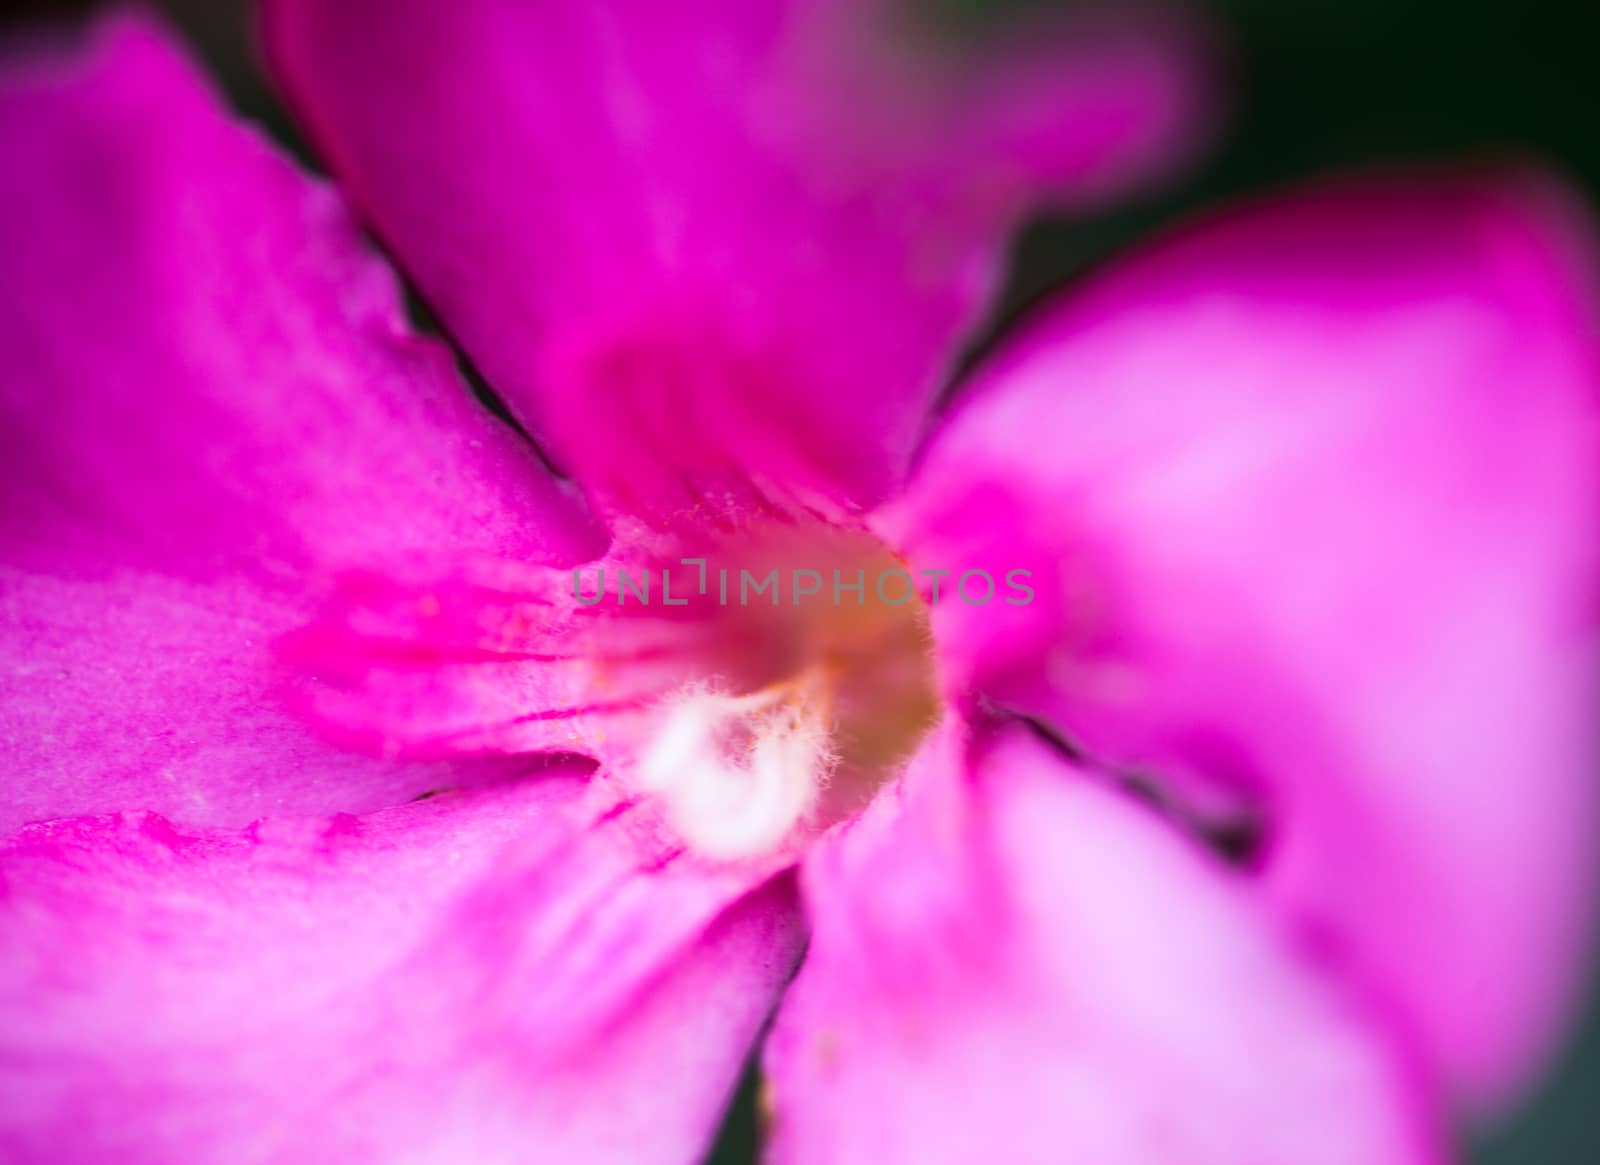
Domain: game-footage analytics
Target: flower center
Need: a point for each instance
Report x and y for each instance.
(809, 683)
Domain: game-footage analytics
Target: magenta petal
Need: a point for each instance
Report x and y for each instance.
(1030, 968)
(210, 399)
(482, 976)
(483, 657)
(1315, 529)
(669, 234)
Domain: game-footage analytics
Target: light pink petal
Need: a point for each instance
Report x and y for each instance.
(210, 399)
(483, 976)
(1309, 491)
(700, 243)
(486, 657)
(1024, 966)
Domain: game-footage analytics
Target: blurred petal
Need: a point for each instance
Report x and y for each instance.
(209, 397)
(1057, 105)
(1030, 968)
(483, 976)
(1313, 532)
(670, 237)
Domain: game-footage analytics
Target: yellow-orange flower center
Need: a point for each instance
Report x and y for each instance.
(804, 697)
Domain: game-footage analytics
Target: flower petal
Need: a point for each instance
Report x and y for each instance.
(1314, 530)
(1025, 966)
(668, 233)
(482, 976)
(210, 398)
(485, 657)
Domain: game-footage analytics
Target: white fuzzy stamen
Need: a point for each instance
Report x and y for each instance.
(737, 774)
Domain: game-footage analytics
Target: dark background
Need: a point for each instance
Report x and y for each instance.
(1317, 85)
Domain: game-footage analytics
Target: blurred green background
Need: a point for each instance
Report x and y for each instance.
(1317, 85)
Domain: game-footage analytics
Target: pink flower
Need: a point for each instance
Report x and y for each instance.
(1258, 831)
